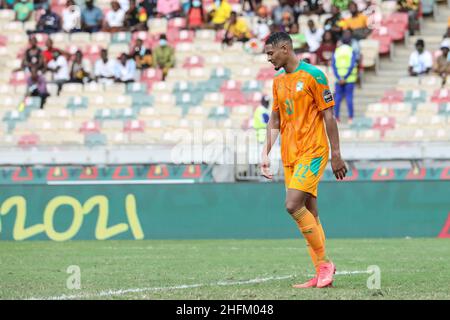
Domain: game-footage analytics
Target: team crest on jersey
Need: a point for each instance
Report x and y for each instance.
(299, 86)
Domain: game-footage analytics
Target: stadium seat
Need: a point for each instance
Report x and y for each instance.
(441, 96)
(78, 102)
(234, 98)
(392, 96)
(94, 140)
(90, 127)
(134, 126)
(121, 37)
(194, 62)
(28, 140)
(266, 74)
(220, 73)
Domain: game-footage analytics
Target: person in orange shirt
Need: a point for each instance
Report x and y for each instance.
(303, 113)
(357, 22)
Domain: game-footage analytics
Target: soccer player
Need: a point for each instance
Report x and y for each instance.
(302, 109)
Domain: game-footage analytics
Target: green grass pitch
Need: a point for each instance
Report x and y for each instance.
(222, 269)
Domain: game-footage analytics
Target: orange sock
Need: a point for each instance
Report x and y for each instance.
(311, 251)
(311, 231)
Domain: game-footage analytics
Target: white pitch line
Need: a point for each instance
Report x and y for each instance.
(135, 290)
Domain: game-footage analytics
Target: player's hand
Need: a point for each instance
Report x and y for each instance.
(265, 167)
(342, 82)
(338, 166)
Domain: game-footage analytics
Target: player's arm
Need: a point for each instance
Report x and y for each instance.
(273, 130)
(337, 164)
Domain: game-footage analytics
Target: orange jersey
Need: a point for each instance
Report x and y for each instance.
(300, 97)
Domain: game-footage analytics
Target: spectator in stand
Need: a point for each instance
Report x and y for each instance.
(357, 23)
(125, 70)
(261, 29)
(252, 7)
(149, 6)
(48, 53)
(278, 12)
(104, 68)
(37, 86)
(60, 68)
(298, 39)
(142, 56)
(288, 20)
(125, 4)
(195, 15)
(135, 18)
(412, 8)
(442, 66)
(313, 36)
(313, 7)
(41, 4)
(163, 56)
(326, 49)
(33, 58)
(49, 22)
(8, 4)
(236, 30)
(341, 4)
(80, 69)
(420, 61)
(114, 21)
(219, 14)
(91, 17)
(23, 10)
(345, 68)
(71, 16)
(333, 23)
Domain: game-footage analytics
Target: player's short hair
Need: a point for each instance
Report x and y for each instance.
(278, 37)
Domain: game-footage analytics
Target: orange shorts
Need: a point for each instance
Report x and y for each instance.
(305, 174)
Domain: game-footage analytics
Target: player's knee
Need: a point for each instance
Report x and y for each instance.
(293, 206)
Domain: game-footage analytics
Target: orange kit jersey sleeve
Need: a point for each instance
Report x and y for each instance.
(300, 97)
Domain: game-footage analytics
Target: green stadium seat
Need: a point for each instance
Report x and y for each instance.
(32, 103)
(219, 113)
(137, 88)
(183, 86)
(361, 123)
(105, 114)
(94, 140)
(415, 97)
(75, 103)
(444, 109)
(121, 37)
(212, 85)
(252, 86)
(141, 100)
(126, 114)
(221, 73)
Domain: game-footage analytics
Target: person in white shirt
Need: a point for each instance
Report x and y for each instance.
(124, 5)
(104, 68)
(313, 36)
(115, 18)
(60, 68)
(420, 61)
(71, 16)
(125, 70)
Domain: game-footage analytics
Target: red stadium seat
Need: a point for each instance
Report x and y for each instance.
(307, 55)
(441, 96)
(398, 17)
(254, 98)
(18, 78)
(234, 98)
(194, 62)
(392, 96)
(90, 127)
(385, 42)
(395, 29)
(41, 38)
(384, 123)
(230, 85)
(176, 23)
(151, 75)
(28, 140)
(266, 74)
(134, 126)
(3, 41)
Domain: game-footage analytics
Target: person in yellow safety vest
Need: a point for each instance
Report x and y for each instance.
(345, 68)
(260, 119)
